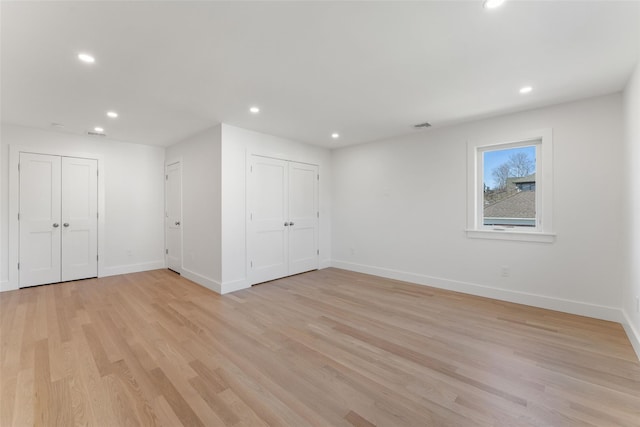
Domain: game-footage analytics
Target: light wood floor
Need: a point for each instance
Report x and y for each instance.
(327, 348)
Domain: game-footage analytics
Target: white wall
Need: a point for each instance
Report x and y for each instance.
(631, 289)
(236, 144)
(399, 210)
(134, 196)
(201, 211)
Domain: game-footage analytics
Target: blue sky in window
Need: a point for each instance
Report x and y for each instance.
(494, 158)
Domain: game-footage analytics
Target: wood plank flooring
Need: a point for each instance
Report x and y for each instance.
(326, 348)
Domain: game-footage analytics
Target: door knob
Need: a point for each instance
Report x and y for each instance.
(56, 225)
(286, 224)
(291, 223)
(177, 222)
(66, 224)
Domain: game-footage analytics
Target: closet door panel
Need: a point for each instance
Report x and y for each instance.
(80, 218)
(303, 217)
(39, 219)
(173, 216)
(267, 222)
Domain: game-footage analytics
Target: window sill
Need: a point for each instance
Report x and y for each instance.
(520, 236)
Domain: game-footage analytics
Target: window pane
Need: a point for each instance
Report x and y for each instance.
(509, 192)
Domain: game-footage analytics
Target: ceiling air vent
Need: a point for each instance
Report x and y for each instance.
(422, 125)
(93, 133)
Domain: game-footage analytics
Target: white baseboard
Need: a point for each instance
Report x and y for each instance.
(131, 268)
(325, 263)
(7, 286)
(235, 285)
(214, 285)
(632, 332)
(105, 272)
(613, 314)
(201, 280)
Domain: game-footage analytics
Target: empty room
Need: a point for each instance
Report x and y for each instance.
(320, 213)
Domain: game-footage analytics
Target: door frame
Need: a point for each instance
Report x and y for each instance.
(248, 155)
(14, 201)
(168, 163)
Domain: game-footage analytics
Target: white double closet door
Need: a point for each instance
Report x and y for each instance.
(58, 219)
(282, 218)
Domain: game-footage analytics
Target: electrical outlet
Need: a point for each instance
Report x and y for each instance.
(505, 271)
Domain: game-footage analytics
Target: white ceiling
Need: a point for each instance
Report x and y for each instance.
(367, 70)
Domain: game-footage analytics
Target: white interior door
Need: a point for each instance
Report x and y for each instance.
(173, 217)
(267, 222)
(58, 217)
(79, 218)
(39, 219)
(303, 217)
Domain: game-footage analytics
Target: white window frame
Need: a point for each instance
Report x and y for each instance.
(543, 231)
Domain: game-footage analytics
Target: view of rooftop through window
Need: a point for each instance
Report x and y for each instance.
(509, 196)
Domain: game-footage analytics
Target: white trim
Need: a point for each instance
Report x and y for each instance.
(276, 156)
(5, 286)
(250, 281)
(613, 314)
(522, 236)
(325, 263)
(235, 285)
(132, 268)
(201, 280)
(632, 332)
(543, 140)
(166, 225)
(214, 285)
(14, 197)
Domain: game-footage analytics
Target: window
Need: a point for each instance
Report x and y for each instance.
(509, 177)
(510, 188)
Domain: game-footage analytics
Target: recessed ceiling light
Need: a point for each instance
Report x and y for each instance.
(98, 129)
(112, 114)
(85, 57)
(254, 110)
(526, 89)
(335, 135)
(492, 4)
